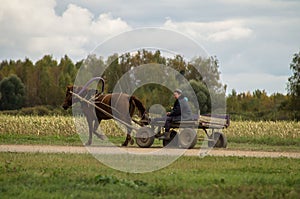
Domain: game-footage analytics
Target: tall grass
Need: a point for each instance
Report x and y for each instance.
(50, 125)
(264, 132)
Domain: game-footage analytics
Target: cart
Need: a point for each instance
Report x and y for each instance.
(183, 134)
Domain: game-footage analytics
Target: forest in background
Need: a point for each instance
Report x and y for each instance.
(39, 88)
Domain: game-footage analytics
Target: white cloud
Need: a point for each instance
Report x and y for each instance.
(32, 28)
(242, 82)
(234, 33)
(216, 31)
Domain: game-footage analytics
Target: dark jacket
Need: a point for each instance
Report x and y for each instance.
(181, 109)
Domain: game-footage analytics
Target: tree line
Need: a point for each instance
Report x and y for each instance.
(43, 83)
(259, 106)
(27, 84)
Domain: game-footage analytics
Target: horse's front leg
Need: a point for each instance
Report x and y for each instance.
(99, 135)
(90, 124)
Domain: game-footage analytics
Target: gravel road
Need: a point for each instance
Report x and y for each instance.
(115, 150)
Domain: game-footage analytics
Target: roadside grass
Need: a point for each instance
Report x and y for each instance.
(36, 175)
(61, 130)
(262, 147)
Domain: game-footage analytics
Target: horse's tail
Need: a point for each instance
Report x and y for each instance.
(142, 110)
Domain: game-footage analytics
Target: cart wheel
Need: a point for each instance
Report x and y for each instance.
(144, 137)
(218, 140)
(187, 138)
(173, 141)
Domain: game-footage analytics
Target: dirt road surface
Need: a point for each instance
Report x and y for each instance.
(116, 150)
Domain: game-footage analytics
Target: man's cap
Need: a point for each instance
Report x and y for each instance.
(178, 91)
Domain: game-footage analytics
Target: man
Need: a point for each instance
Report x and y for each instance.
(181, 111)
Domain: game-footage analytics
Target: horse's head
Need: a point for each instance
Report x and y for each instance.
(69, 99)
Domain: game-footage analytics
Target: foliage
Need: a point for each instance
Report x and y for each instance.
(294, 80)
(46, 80)
(12, 93)
(24, 175)
(38, 111)
(209, 77)
(208, 73)
(294, 86)
(152, 94)
(203, 96)
(258, 106)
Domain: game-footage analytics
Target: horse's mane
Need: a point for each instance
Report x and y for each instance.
(138, 104)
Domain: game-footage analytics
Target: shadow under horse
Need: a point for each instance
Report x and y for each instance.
(116, 105)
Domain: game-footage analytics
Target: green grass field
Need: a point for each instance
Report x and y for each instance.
(24, 175)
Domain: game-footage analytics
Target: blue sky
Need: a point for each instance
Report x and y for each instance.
(253, 40)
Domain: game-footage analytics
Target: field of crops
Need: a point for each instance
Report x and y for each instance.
(49, 125)
(264, 132)
(280, 129)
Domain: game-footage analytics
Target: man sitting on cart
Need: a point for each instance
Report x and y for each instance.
(180, 111)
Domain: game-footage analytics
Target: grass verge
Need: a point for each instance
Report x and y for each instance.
(24, 175)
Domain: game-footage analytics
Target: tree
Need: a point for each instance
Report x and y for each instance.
(66, 74)
(112, 73)
(27, 74)
(12, 92)
(45, 81)
(232, 102)
(210, 74)
(294, 80)
(203, 96)
(294, 85)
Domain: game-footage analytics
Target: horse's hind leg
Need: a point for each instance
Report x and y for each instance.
(128, 140)
(126, 117)
(128, 137)
(129, 133)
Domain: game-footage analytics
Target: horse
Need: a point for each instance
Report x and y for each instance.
(106, 106)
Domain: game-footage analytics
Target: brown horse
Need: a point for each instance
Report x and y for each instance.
(116, 105)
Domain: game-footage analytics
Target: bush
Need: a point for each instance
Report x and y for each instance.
(39, 111)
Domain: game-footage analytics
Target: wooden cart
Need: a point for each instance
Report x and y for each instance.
(183, 134)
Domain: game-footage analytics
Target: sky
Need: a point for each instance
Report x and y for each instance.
(254, 41)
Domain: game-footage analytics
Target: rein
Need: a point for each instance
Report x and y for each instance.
(89, 82)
